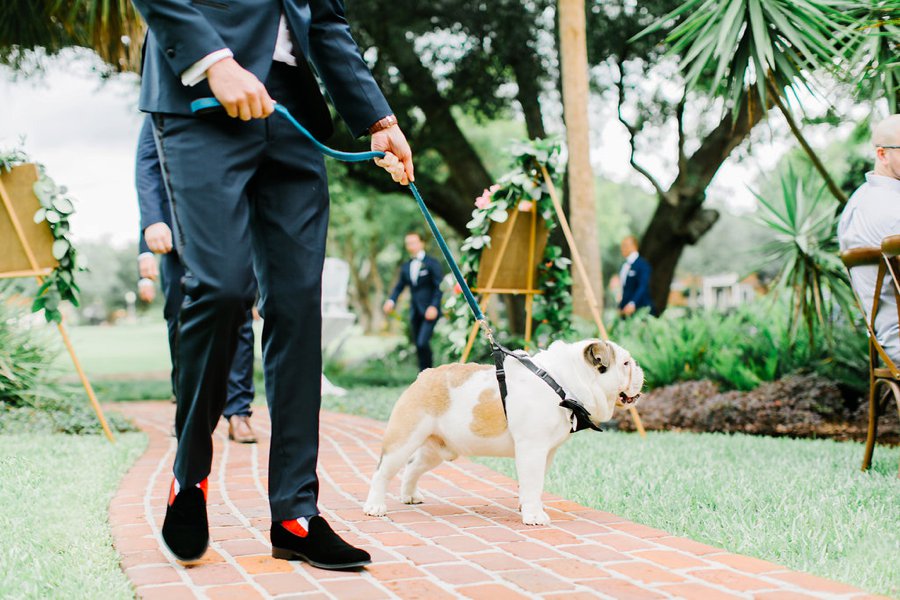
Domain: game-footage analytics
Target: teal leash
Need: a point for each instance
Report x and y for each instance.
(581, 417)
(207, 104)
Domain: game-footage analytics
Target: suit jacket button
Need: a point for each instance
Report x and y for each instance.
(170, 52)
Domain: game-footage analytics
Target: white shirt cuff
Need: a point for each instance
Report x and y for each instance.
(145, 282)
(197, 71)
(143, 254)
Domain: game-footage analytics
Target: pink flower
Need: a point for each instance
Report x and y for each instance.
(485, 198)
(525, 205)
(457, 289)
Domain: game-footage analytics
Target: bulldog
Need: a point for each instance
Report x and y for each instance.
(455, 410)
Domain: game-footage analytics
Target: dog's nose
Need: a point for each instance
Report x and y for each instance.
(626, 399)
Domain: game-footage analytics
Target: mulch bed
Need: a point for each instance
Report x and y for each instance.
(795, 406)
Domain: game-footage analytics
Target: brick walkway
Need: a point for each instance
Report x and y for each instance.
(466, 541)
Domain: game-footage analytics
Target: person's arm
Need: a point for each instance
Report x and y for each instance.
(437, 275)
(148, 179)
(402, 282)
(642, 276)
(346, 76)
(181, 30)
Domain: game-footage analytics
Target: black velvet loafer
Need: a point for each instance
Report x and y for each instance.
(320, 546)
(186, 529)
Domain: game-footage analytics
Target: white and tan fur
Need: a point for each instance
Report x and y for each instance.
(455, 410)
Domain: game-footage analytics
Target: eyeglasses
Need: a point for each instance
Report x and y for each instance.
(889, 147)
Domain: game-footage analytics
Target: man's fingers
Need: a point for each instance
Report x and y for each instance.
(256, 109)
(231, 109)
(408, 167)
(244, 109)
(268, 105)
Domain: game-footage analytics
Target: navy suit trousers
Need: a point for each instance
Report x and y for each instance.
(249, 196)
(241, 389)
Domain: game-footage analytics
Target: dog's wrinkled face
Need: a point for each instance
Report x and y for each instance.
(607, 357)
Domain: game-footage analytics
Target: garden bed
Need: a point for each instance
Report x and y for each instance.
(794, 406)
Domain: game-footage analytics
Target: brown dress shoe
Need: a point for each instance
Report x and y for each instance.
(239, 429)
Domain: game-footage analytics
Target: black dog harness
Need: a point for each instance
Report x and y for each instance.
(579, 412)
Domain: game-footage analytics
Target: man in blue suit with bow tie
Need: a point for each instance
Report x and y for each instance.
(422, 274)
(250, 193)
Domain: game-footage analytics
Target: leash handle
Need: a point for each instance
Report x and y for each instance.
(202, 105)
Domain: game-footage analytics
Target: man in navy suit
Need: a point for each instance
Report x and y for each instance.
(156, 238)
(635, 280)
(250, 194)
(422, 274)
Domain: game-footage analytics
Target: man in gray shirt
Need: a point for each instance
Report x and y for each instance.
(872, 214)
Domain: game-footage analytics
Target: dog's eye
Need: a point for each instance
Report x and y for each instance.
(602, 369)
(627, 363)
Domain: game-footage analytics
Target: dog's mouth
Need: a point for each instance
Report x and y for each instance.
(625, 399)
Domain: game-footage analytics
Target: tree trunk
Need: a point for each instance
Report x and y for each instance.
(573, 62)
(680, 219)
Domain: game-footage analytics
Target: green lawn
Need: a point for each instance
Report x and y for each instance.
(54, 493)
(800, 503)
(142, 348)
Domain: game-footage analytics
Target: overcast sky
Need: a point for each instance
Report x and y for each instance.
(85, 130)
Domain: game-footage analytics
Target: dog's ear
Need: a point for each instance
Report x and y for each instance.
(599, 355)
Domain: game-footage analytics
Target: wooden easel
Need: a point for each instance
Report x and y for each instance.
(529, 290)
(35, 269)
(488, 289)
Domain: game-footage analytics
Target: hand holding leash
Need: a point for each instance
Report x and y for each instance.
(397, 154)
(238, 90)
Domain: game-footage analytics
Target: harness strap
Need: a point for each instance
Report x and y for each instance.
(581, 415)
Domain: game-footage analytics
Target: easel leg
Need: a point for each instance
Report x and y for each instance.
(84, 381)
(474, 333)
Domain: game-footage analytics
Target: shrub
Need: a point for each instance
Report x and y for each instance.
(741, 350)
(31, 396)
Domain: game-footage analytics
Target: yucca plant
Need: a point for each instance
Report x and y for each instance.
(872, 50)
(805, 245)
(26, 356)
(733, 48)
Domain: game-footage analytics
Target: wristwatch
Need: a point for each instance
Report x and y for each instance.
(383, 123)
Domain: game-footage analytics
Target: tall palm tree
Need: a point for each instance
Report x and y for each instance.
(767, 47)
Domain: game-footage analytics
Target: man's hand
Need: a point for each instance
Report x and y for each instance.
(431, 313)
(628, 309)
(147, 267)
(146, 290)
(240, 92)
(388, 307)
(398, 157)
(159, 238)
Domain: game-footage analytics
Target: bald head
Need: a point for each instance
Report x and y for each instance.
(886, 139)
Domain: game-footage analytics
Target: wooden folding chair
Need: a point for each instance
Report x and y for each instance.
(887, 376)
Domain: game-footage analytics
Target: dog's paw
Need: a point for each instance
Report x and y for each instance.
(538, 517)
(414, 498)
(374, 509)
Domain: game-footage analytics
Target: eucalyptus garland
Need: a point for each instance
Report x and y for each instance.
(517, 189)
(56, 207)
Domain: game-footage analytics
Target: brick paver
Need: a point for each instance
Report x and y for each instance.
(466, 541)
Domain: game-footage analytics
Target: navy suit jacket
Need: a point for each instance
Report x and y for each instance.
(182, 32)
(637, 285)
(427, 289)
(153, 200)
